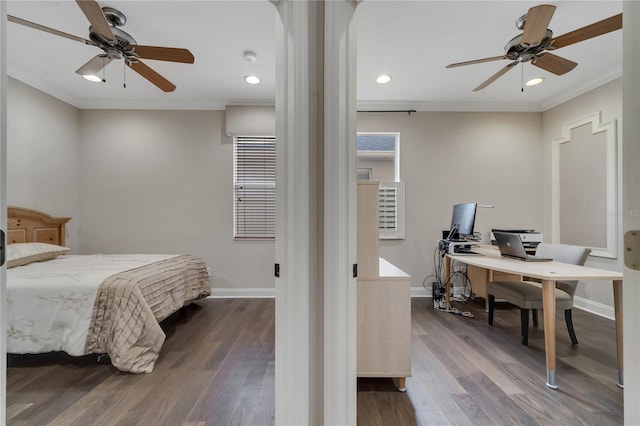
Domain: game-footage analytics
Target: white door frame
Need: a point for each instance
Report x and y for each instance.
(315, 372)
(340, 116)
(3, 208)
(631, 204)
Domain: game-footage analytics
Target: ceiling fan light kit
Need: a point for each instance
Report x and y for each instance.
(534, 81)
(92, 77)
(116, 44)
(537, 39)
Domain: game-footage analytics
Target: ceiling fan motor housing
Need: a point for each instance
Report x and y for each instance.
(515, 50)
(122, 48)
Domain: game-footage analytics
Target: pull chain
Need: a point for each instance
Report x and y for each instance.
(104, 80)
(124, 74)
(522, 77)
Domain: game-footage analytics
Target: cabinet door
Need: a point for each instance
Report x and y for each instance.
(384, 328)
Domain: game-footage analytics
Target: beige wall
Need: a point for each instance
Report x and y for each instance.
(608, 100)
(161, 182)
(43, 155)
(452, 157)
(133, 182)
(381, 170)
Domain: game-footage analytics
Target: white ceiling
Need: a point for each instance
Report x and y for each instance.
(412, 41)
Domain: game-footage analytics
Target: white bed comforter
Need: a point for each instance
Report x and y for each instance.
(49, 308)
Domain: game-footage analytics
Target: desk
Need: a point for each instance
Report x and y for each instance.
(548, 273)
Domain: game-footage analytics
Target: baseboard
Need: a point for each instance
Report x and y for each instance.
(426, 292)
(239, 293)
(594, 307)
(271, 292)
(420, 292)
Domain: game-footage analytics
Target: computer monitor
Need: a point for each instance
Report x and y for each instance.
(462, 221)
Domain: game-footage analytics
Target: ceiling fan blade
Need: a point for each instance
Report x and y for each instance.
(164, 53)
(93, 12)
(585, 33)
(536, 24)
(47, 29)
(152, 76)
(476, 61)
(95, 65)
(554, 63)
(496, 76)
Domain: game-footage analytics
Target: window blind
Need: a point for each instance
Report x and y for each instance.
(254, 177)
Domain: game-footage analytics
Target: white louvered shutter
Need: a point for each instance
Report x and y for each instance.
(388, 208)
(391, 207)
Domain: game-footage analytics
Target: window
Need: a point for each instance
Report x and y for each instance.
(379, 152)
(378, 159)
(254, 187)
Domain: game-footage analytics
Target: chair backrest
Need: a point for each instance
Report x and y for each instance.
(564, 253)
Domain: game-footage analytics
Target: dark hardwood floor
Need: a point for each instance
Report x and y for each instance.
(466, 372)
(217, 368)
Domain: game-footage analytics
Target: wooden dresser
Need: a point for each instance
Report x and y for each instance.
(384, 300)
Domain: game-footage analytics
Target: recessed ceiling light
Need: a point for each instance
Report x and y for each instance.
(92, 77)
(535, 81)
(252, 79)
(383, 79)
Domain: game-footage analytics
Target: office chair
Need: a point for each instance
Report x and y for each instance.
(528, 294)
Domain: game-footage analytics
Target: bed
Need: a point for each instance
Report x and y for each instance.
(91, 304)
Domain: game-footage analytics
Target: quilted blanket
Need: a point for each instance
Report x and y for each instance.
(130, 304)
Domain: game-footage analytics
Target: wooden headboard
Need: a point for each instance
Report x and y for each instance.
(31, 226)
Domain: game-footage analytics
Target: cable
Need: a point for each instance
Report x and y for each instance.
(467, 288)
(466, 314)
(439, 281)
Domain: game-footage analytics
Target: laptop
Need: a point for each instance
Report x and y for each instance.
(510, 245)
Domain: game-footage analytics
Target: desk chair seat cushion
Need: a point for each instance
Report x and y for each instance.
(565, 253)
(526, 294)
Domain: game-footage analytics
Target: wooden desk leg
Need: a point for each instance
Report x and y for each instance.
(549, 308)
(447, 283)
(617, 303)
(402, 384)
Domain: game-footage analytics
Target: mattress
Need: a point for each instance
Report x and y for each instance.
(112, 304)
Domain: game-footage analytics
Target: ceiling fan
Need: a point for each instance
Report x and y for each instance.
(536, 39)
(116, 44)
